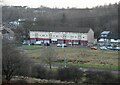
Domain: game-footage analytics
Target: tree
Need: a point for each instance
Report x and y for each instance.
(49, 56)
(13, 61)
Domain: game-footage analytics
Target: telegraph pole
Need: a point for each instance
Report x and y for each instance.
(64, 57)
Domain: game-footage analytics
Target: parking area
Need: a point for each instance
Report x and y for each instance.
(55, 45)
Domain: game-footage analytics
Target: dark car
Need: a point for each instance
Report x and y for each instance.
(46, 44)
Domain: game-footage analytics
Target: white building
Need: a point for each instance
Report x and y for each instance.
(108, 38)
(63, 37)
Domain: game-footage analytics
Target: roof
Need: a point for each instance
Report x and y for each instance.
(115, 41)
(113, 36)
(7, 30)
(110, 36)
(60, 29)
(105, 32)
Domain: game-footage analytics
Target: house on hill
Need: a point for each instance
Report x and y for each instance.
(108, 38)
(7, 33)
(66, 35)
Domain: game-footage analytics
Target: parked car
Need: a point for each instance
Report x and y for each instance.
(93, 48)
(46, 44)
(37, 43)
(109, 47)
(115, 48)
(61, 45)
(103, 48)
(24, 43)
(64, 45)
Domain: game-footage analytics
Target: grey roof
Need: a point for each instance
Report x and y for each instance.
(113, 36)
(109, 35)
(105, 32)
(60, 29)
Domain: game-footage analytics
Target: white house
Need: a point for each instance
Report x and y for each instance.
(108, 38)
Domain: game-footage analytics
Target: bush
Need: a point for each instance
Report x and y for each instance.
(100, 77)
(21, 81)
(39, 72)
(70, 74)
(51, 74)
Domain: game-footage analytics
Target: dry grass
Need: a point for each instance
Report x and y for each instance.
(81, 56)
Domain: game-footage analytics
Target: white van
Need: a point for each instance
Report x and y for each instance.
(38, 43)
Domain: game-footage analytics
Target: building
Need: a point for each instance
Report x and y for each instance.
(72, 38)
(7, 33)
(108, 38)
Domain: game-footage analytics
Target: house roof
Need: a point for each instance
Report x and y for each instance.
(7, 30)
(113, 36)
(109, 35)
(60, 29)
(105, 32)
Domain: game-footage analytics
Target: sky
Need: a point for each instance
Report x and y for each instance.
(59, 3)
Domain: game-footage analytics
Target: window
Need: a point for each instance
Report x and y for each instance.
(79, 36)
(36, 35)
(64, 36)
(75, 43)
(43, 35)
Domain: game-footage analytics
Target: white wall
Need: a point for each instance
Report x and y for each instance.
(43, 34)
(72, 36)
(90, 35)
(84, 36)
(59, 35)
(56, 35)
(37, 34)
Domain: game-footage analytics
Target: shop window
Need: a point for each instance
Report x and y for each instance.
(75, 43)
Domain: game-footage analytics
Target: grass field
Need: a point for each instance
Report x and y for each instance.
(79, 57)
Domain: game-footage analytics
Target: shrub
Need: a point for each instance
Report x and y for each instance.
(51, 74)
(70, 74)
(39, 72)
(21, 81)
(100, 77)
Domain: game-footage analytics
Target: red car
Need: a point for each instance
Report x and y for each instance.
(93, 48)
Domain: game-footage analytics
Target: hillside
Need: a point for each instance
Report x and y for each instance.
(98, 18)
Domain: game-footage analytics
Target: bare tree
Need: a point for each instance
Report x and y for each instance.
(13, 60)
(49, 55)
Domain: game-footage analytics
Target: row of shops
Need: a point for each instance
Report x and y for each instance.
(69, 38)
(60, 41)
